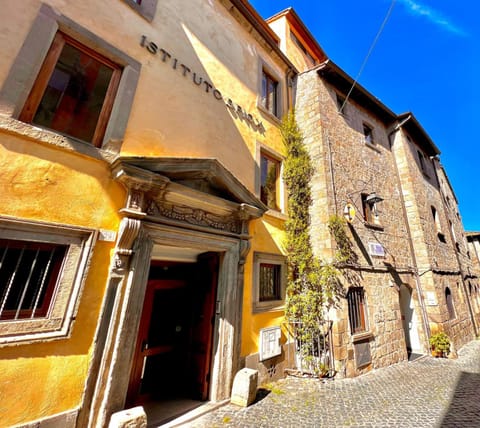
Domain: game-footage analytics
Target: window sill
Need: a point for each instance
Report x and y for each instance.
(15, 127)
(360, 337)
(374, 226)
(373, 146)
(276, 214)
(269, 115)
(276, 306)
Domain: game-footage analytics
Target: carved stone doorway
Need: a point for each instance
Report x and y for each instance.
(181, 206)
(173, 352)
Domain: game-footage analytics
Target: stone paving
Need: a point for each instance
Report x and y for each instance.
(429, 392)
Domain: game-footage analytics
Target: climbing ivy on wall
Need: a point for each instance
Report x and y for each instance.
(312, 284)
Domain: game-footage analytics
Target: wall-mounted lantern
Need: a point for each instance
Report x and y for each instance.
(372, 199)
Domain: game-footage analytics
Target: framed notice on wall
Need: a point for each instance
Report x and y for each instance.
(270, 343)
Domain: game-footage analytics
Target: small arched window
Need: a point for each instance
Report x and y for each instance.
(449, 300)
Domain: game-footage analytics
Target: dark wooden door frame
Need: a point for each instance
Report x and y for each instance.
(200, 346)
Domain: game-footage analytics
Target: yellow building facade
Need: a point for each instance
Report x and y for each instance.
(142, 212)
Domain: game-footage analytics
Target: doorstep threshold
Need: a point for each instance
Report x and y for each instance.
(194, 414)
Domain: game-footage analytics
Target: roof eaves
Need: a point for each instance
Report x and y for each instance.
(414, 127)
(257, 22)
(362, 96)
(299, 26)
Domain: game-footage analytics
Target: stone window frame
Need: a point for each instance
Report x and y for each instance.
(437, 225)
(64, 303)
(262, 149)
(145, 8)
(422, 161)
(274, 259)
(52, 64)
(368, 134)
(264, 68)
(24, 72)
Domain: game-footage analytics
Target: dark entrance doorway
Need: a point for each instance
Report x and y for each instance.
(174, 345)
(409, 322)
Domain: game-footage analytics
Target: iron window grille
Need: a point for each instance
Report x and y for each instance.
(269, 282)
(357, 310)
(43, 267)
(28, 276)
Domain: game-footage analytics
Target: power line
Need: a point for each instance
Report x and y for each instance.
(385, 20)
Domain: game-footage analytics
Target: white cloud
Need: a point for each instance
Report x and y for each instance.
(432, 15)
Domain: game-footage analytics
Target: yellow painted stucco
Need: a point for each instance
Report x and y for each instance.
(171, 117)
(269, 233)
(47, 184)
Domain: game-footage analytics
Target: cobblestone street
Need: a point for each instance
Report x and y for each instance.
(429, 392)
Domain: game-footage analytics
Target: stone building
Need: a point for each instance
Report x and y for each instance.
(376, 168)
(142, 209)
(438, 239)
(473, 283)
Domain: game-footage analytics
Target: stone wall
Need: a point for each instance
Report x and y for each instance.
(347, 167)
(439, 244)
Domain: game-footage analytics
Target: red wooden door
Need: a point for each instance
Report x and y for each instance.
(163, 336)
(203, 323)
(174, 345)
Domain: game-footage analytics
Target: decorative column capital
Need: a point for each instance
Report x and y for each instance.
(127, 234)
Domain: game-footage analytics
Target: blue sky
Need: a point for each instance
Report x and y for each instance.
(427, 60)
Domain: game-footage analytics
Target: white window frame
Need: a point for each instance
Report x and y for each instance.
(274, 259)
(64, 303)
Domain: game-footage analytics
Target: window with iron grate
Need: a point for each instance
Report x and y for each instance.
(269, 281)
(28, 275)
(42, 270)
(357, 310)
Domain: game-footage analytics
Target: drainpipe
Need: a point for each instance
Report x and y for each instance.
(460, 266)
(289, 76)
(418, 286)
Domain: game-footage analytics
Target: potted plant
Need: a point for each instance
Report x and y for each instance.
(440, 344)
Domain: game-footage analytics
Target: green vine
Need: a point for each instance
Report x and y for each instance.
(313, 285)
(344, 251)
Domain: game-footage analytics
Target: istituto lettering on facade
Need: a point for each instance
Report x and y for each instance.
(200, 81)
